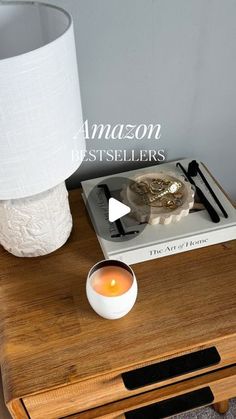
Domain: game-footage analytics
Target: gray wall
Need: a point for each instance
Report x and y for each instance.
(167, 61)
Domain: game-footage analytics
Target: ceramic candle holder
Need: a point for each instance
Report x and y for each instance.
(111, 289)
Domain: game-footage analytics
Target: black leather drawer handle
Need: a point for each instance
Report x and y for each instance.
(171, 368)
(173, 406)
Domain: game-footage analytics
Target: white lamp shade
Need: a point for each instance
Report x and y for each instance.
(40, 106)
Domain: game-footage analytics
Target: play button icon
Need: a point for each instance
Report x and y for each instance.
(112, 217)
(116, 210)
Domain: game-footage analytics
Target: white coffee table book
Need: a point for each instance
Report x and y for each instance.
(191, 232)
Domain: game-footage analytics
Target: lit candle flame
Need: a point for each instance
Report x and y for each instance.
(113, 282)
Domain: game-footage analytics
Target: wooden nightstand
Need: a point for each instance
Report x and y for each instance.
(60, 359)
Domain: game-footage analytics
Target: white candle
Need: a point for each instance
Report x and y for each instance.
(111, 288)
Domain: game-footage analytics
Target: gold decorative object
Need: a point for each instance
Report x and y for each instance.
(158, 198)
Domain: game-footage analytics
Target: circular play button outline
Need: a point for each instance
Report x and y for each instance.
(121, 229)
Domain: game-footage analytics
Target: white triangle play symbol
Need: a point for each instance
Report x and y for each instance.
(116, 210)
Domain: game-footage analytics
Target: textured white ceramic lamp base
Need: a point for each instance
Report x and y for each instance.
(36, 225)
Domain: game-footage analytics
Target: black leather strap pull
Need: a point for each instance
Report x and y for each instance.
(171, 368)
(173, 406)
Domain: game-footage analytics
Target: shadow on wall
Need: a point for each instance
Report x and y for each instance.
(149, 61)
(171, 62)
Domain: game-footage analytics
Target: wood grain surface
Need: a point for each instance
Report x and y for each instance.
(106, 389)
(221, 383)
(50, 336)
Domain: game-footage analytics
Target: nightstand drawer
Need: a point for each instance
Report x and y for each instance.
(106, 389)
(189, 394)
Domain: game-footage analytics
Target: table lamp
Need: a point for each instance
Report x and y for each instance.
(40, 126)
